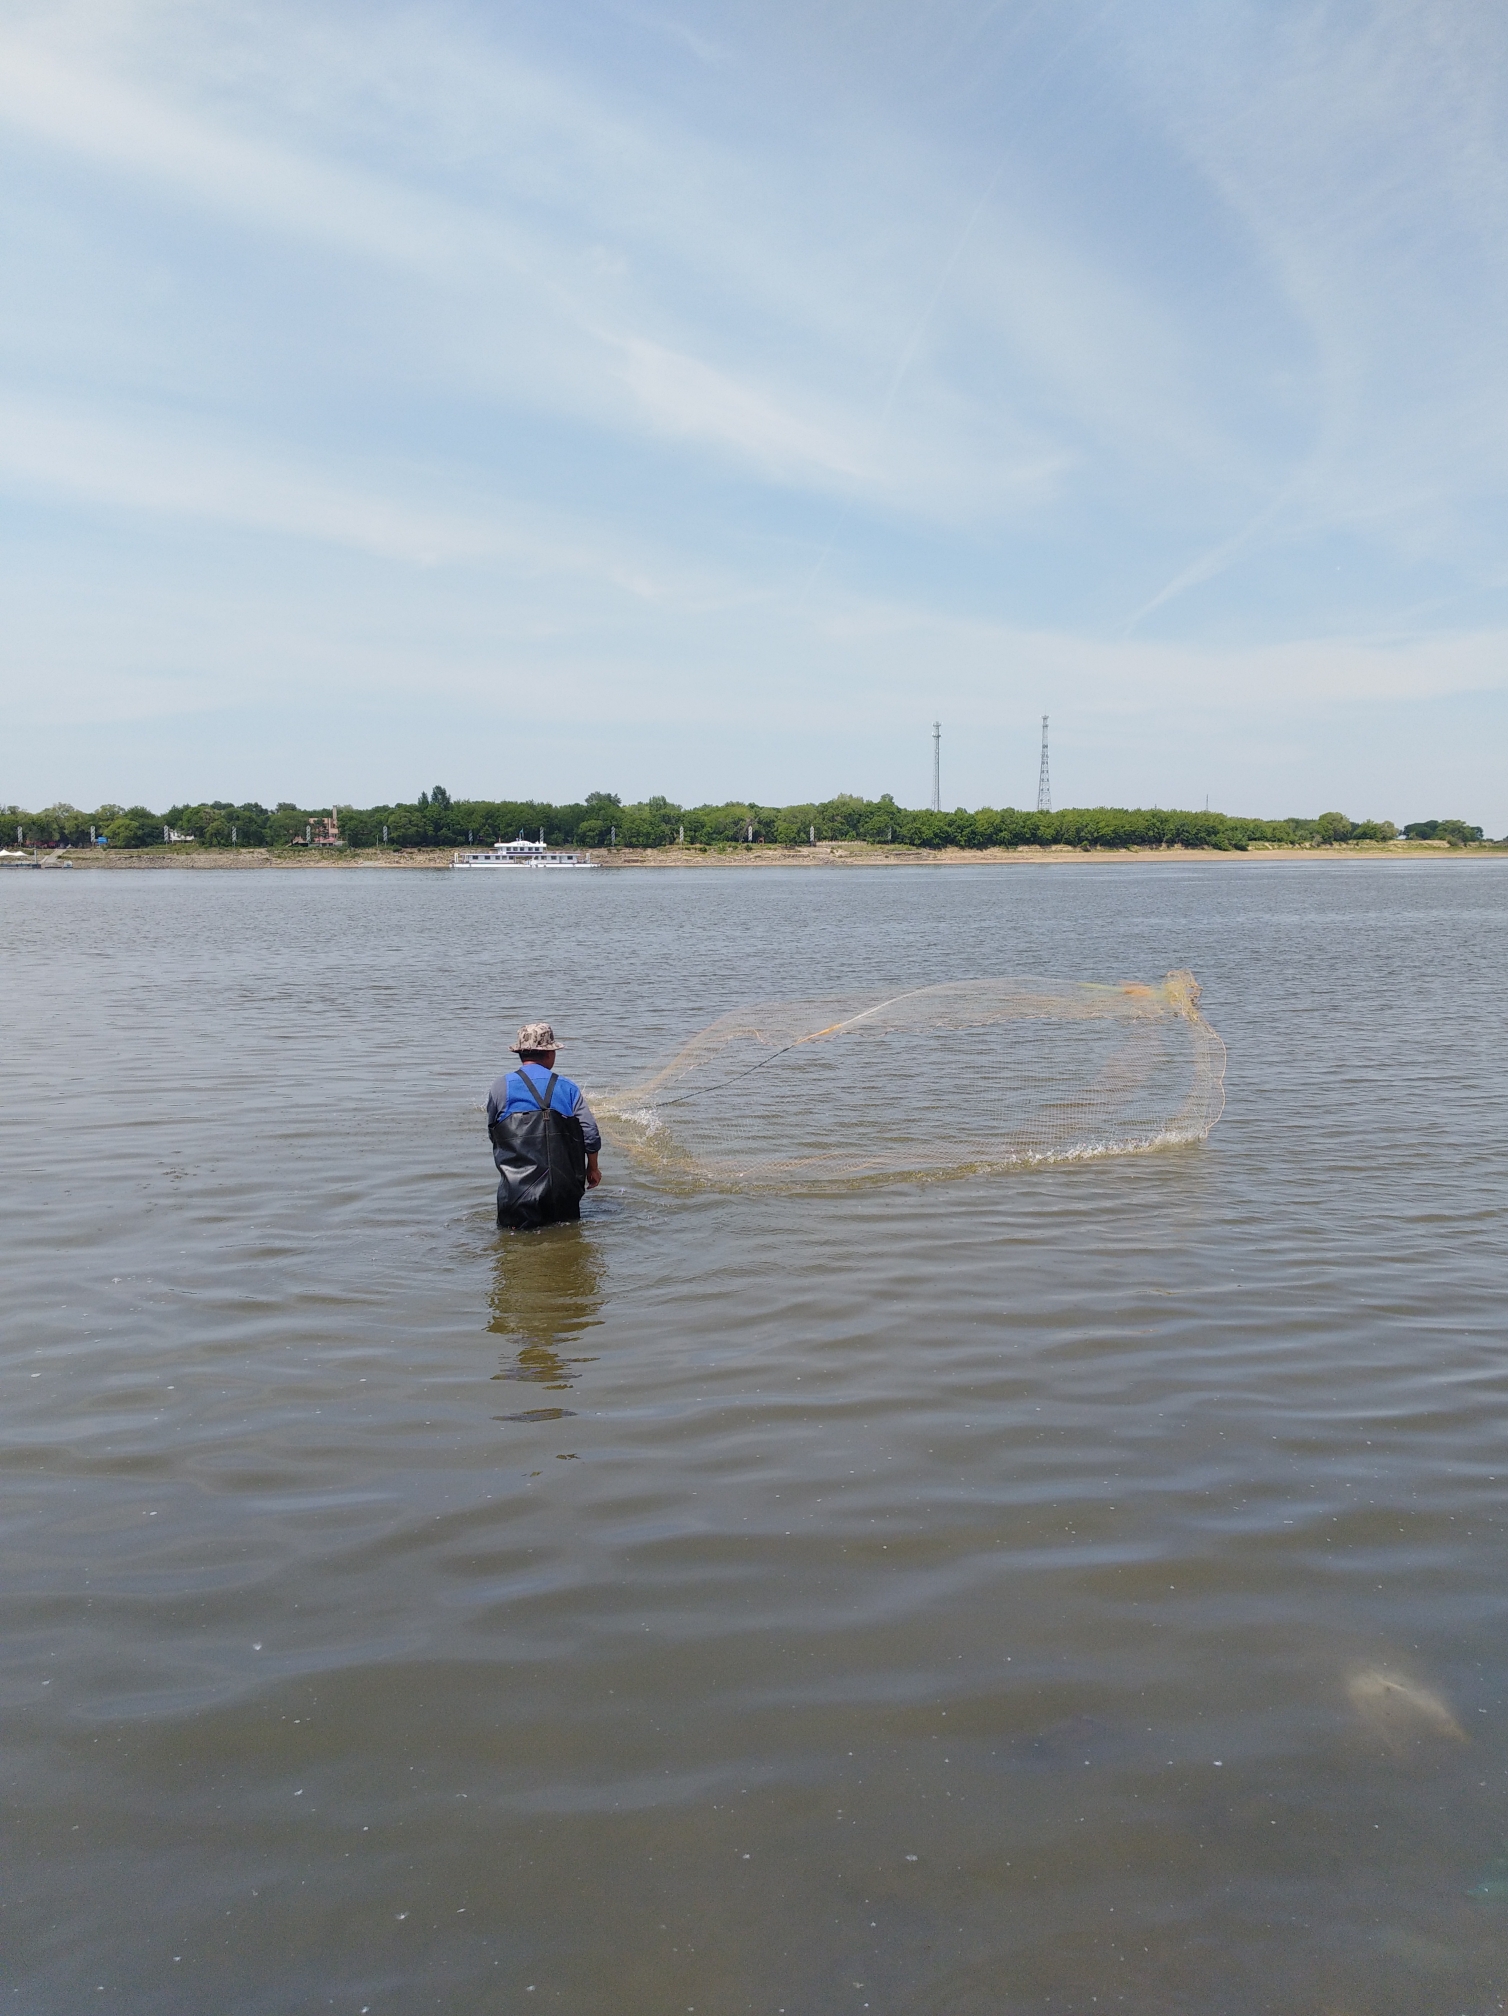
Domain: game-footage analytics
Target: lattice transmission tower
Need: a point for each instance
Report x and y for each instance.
(1044, 788)
(937, 766)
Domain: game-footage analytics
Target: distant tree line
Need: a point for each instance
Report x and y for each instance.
(1456, 831)
(435, 819)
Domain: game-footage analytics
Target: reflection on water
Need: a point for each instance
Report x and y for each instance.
(546, 1293)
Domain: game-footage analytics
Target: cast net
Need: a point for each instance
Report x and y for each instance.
(930, 1082)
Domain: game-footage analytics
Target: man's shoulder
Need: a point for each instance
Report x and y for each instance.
(536, 1074)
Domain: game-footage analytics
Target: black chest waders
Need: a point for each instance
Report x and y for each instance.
(541, 1158)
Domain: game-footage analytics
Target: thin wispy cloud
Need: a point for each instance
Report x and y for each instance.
(1051, 352)
(1366, 153)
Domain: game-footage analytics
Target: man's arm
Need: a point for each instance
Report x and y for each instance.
(591, 1134)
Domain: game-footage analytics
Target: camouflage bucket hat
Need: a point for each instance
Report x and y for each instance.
(535, 1036)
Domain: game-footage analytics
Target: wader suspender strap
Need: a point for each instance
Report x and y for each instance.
(542, 1104)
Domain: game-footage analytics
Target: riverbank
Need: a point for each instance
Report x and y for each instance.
(826, 854)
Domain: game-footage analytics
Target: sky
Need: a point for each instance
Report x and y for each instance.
(704, 399)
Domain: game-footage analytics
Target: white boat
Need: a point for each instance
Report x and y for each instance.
(521, 853)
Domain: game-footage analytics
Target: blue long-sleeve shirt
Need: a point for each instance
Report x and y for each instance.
(509, 1096)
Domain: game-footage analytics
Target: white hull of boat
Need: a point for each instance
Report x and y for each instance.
(499, 860)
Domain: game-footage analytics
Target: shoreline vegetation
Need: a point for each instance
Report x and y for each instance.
(853, 854)
(842, 831)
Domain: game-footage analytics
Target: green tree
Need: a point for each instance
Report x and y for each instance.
(135, 828)
(287, 824)
(1456, 831)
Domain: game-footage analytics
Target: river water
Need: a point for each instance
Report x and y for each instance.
(976, 1597)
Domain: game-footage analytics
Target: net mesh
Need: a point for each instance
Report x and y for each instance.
(931, 1082)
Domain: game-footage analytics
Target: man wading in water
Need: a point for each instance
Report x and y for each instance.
(544, 1140)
